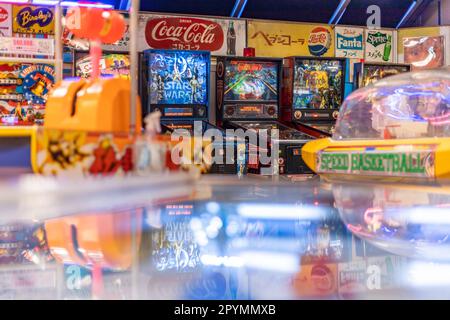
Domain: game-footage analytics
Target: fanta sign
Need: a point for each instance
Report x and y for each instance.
(184, 33)
(319, 41)
(349, 42)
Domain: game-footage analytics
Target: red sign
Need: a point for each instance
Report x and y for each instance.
(3, 14)
(184, 33)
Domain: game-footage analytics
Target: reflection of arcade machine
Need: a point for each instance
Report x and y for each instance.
(368, 73)
(111, 64)
(313, 91)
(248, 98)
(178, 86)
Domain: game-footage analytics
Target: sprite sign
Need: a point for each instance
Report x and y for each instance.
(409, 164)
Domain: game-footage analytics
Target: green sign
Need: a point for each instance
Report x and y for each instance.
(417, 164)
(377, 39)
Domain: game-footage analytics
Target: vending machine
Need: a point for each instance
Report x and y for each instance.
(312, 93)
(367, 73)
(248, 98)
(177, 84)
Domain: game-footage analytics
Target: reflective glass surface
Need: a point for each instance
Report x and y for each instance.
(406, 106)
(223, 238)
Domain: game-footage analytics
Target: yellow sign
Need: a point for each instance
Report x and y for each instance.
(33, 19)
(281, 40)
(416, 32)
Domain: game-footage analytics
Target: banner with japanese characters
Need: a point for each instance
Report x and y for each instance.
(379, 46)
(349, 42)
(5, 20)
(33, 19)
(276, 39)
(220, 36)
(27, 46)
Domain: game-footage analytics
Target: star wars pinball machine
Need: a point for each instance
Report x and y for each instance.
(367, 73)
(177, 84)
(248, 99)
(312, 93)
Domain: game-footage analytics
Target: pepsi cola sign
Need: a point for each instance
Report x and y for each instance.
(184, 33)
(319, 41)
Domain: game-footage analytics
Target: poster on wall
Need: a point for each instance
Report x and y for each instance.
(220, 36)
(5, 20)
(33, 19)
(424, 52)
(349, 42)
(290, 39)
(27, 46)
(379, 46)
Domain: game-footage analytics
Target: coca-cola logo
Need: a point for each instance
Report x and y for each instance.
(184, 33)
(3, 14)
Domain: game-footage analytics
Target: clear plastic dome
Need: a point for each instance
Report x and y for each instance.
(407, 106)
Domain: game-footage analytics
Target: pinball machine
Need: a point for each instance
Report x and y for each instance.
(312, 93)
(248, 98)
(24, 89)
(177, 84)
(367, 73)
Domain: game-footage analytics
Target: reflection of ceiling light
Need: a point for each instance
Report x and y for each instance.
(428, 274)
(274, 261)
(210, 260)
(279, 212)
(437, 216)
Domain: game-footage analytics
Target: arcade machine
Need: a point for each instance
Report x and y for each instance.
(24, 91)
(312, 93)
(177, 85)
(248, 98)
(367, 73)
(111, 64)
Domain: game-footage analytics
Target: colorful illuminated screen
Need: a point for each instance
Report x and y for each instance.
(251, 81)
(373, 73)
(318, 84)
(178, 77)
(110, 65)
(24, 90)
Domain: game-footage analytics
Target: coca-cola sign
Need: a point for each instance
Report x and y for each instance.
(4, 15)
(184, 33)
